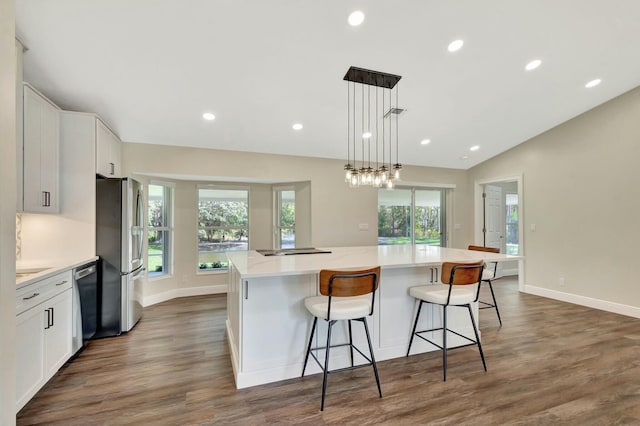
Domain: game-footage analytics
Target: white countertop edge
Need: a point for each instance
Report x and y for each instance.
(249, 256)
(52, 267)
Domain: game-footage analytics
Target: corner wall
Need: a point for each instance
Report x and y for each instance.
(336, 209)
(7, 213)
(581, 192)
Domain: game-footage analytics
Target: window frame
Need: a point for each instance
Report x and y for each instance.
(247, 228)
(168, 194)
(444, 211)
(277, 216)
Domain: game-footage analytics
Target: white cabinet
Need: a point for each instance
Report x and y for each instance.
(107, 151)
(43, 333)
(29, 355)
(41, 145)
(274, 317)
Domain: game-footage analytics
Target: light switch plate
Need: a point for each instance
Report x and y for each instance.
(363, 226)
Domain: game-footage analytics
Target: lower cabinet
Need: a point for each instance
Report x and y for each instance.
(43, 338)
(275, 323)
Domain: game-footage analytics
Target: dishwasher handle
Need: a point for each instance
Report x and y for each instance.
(84, 272)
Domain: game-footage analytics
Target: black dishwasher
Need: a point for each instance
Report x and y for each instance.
(85, 312)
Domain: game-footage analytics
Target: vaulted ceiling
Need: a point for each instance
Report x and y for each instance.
(151, 68)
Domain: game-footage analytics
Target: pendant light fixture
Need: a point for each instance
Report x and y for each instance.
(372, 121)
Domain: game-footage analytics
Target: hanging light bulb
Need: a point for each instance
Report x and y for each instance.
(396, 170)
(354, 181)
(348, 168)
(377, 181)
(389, 184)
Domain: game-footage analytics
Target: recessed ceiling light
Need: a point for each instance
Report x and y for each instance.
(208, 116)
(425, 141)
(455, 45)
(356, 18)
(593, 83)
(366, 135)
(533, 65)
(297, 126)
(474, 148)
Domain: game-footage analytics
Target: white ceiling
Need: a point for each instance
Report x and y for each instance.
(150, 68)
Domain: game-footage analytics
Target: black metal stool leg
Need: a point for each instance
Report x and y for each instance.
(306, 358)
(495, 304)
(350, 342)
(475, 330)
(415, 324)
(444, 343)
(373, 360)
(326, 364)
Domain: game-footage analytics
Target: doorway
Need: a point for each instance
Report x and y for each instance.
(498, 219)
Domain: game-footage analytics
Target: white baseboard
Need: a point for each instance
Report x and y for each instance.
(509, 272)
(183, 292)
(616, 308)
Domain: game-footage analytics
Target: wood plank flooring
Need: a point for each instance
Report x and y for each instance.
(551, 363)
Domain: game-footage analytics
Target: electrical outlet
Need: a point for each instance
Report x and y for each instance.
(363, 226)
(561, 281)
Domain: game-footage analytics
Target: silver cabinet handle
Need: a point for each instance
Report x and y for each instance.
(63, 282)
(31, 297)
(246, 290)
(113, 168)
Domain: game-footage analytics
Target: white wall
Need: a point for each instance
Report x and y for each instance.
(7, 213)
(336, 209)
(581, 192)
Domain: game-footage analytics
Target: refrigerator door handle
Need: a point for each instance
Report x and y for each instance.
(137, 274)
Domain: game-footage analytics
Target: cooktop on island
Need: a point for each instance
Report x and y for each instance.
(291, 251)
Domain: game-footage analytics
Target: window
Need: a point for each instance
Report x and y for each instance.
(223, 225)
(513, 240)
(285, 218)
(159, 228)
(411, 216)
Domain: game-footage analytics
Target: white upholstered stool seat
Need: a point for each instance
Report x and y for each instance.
(439, 293)
(342, 308)
(487, 274)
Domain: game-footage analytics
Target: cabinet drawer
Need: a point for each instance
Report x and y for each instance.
(33, 294)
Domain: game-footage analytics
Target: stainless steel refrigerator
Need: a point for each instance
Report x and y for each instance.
(119, 233)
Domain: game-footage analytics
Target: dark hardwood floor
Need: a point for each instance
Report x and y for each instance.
(550, 363)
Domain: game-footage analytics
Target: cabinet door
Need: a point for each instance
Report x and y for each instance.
(30, 374)
(58, 335)
(115, 155)
(275, 323)
(107, 151)
(41, 166)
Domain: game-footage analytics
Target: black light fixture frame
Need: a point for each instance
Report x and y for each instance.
(372, 78)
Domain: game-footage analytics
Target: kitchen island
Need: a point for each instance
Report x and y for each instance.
(268, 326)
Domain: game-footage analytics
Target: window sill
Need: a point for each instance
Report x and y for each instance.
(159, 277)
(212, 271)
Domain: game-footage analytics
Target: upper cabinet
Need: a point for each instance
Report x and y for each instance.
(41, 160)
(107, 151)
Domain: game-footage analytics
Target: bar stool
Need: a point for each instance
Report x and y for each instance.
(342, 298)
(457, 289)
(487, 276)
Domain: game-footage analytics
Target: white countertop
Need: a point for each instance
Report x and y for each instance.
(50, 268)
(252, 264)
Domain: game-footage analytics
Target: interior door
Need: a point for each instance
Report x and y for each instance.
(494, 219)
